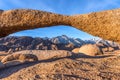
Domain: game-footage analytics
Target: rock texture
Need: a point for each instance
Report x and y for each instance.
(12, 44)
(46, 54)
(16, 59)
(76, 50)
(90, 50)
(21, 19)
(21, 57)
(27, 56)
(104, 67)
(104, 24)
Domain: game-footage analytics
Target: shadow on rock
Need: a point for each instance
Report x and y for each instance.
(11, 70)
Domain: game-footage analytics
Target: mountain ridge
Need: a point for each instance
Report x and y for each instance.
(63, 42)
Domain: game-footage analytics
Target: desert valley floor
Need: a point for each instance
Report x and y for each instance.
(66, 67)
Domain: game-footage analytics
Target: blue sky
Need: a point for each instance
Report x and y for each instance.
(67, 7)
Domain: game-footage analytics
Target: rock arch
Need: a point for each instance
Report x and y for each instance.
(105, 24)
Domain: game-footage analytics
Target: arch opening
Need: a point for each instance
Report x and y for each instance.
(54, 31)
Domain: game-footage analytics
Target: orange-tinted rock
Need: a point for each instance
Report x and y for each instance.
(105, 49)
(76, 50)
(47, 54)
(19, 57)
(110, 49)
(90, 50)
(117, 51)
(105, 24)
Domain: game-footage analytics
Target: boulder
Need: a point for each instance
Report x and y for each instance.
(76, 50)
(110, 49)
(105, 49)
(28, 57)
(10, 57)
(16, 59)
(20, 57)
(117, 51)
(90, 49)
(47, 54)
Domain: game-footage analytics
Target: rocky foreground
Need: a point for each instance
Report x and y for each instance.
(64, 65)
(58, 58)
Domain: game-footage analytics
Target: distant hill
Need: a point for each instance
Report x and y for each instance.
(13, 43)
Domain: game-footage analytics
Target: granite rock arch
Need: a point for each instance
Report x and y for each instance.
(104, 24)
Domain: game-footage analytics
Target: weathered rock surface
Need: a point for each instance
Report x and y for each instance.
(76, 50)
(16, 59)
(104, 24)
(12, 44)
(104, 67)
(21, 19)
(46, 54)
(90, 50)
(21, 57)
(117, 51)
(12, 63)
(27, 56)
